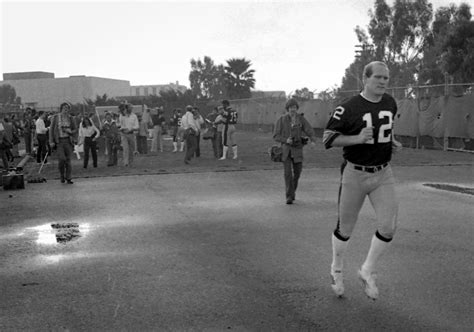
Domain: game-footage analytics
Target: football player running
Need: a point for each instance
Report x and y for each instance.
(363, 127)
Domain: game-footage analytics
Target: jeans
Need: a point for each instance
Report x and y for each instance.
(28, 142)
(198, 148)
(4, 157)
(142, 144)
(218, 144)
(112, 149)
(191, 145)
(292, 173)
(90, 144)
(157, 139)
(42, 147)
(128, 145)
(65, 151)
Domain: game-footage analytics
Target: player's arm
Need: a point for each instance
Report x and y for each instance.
(340, 123)
(336, 139)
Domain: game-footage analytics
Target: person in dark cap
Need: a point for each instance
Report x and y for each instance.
(62, 134)
(292, 130)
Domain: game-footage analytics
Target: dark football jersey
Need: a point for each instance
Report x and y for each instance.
(357, 113)
(230, 115)
(176, 120)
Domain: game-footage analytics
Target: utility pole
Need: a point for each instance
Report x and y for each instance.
(360, 49)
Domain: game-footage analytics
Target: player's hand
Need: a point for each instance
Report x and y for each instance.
(289, 140)
(366, 134)
(396, 146)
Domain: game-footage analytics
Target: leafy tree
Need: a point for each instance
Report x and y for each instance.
(399, 34)
(396, 35)
(417, 48)
(8, 95)
(303, 94)
(457, 58)
(239, 78)
(327, 95)
(449, 50)
(380, 27)
(206, 79)
(103, 100)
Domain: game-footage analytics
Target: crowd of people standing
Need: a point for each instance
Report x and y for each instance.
(122, 131)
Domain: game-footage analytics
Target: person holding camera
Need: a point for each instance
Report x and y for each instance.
(293, 131)
(61, 135)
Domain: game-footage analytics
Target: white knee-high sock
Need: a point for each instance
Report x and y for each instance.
(377, 247)
(338, 249)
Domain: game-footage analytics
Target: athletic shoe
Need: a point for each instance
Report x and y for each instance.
(368, 280)
(337, 282)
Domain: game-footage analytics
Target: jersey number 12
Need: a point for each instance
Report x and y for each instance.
(384, 131)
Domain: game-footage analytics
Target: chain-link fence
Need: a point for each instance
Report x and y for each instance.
(430, 116)
(421, 92)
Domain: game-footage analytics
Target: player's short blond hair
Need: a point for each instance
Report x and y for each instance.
(369, 68)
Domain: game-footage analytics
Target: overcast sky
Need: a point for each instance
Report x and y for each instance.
(291, 44)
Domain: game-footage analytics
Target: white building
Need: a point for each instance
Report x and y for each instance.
(43, 90)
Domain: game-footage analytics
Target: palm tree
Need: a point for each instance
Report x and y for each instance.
(239, 78)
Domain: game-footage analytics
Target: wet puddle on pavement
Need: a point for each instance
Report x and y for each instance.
(49, 234)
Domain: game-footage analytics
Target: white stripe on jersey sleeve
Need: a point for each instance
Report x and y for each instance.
(328, 137)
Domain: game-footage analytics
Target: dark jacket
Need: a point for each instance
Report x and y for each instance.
(54, 129)
(284, 130)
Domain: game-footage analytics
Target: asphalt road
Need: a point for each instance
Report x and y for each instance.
(221, 251)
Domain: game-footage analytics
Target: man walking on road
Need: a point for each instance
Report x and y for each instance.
(363, 127)
(62, 133)
(292, 131)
